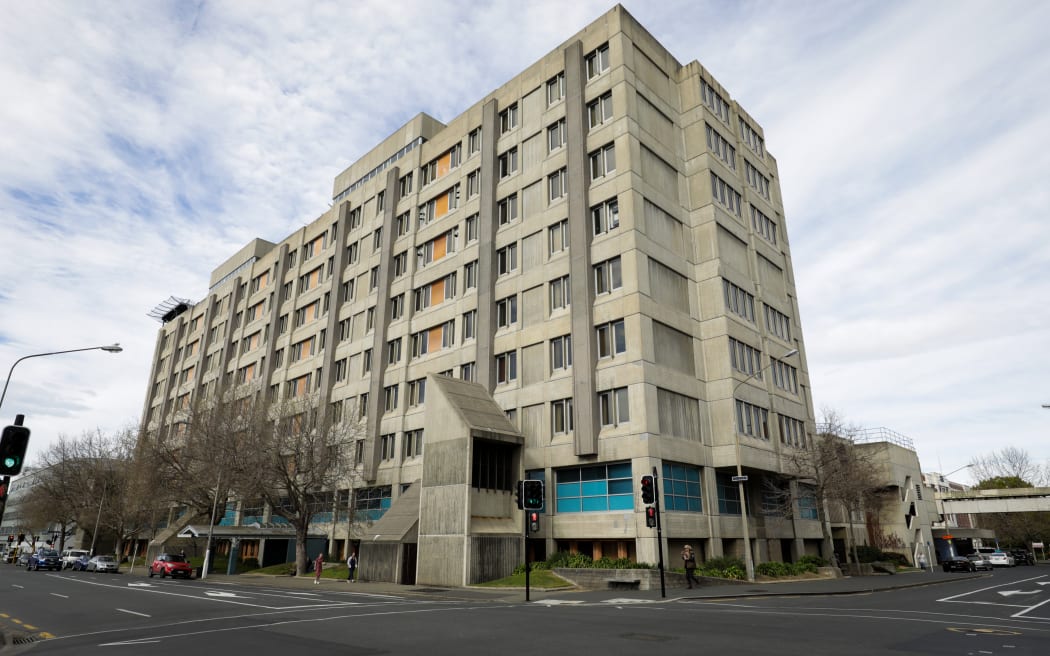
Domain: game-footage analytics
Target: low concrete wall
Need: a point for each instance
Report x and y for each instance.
(648, 579)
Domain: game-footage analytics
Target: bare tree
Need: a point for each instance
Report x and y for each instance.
(832, 474)
(294, 462)
(1011, 463)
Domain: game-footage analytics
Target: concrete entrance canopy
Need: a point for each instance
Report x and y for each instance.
(1024, 499)
(253, 531)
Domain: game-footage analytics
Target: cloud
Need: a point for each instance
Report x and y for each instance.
(142, 147)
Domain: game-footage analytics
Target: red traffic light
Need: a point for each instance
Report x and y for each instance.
(650, 517)
(648, 490)
(534, 522)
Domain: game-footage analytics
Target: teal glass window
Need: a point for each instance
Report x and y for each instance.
(595, 488)
(681, 488)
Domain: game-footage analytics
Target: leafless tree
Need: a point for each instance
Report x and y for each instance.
(1010, 463)
(295, 462)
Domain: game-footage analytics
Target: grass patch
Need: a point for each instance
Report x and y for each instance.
(540, 578)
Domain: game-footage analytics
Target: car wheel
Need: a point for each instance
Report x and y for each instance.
(151, 572)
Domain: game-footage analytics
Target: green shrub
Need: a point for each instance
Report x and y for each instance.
(775, 569)
(803, 568)
(898, 559)
(816, 561)
(723, 562)
(734, 572)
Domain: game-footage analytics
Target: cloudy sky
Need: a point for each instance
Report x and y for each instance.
(142, 143)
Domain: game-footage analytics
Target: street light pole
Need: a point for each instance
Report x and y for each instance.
(749, 559)
(98, 517)
(112, 348)
(211, 527)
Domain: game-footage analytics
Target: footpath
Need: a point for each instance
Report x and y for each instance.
(706, 591)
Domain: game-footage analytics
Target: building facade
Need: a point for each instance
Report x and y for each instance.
(583, 278)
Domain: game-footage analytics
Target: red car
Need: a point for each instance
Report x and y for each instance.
(170, 565)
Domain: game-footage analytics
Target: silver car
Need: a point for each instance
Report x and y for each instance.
(980, 561)
(1001, 559)
(103, 564)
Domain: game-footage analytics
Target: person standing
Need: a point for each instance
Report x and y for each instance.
(689, 560)
(351, 567)
(318, 566)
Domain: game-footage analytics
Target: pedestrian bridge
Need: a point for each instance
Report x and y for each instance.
(1021, 499)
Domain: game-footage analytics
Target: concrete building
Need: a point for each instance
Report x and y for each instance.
(583, 278)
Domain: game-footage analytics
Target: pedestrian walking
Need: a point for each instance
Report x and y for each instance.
(689, 560)
(351, 567)
(922, 561)
(318, 566)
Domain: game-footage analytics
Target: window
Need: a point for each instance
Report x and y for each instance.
(492, 465)
(303, 349)
(507, 210)
(390, 398)
(470, 325)
(386, 446)
(307, 313)
(603, 161)
(758, 182)
(597, 61)
(340, 370)
(745, 359)
(506, 367)
(561, 352)
(561, 416)
(752, 420)
(607, 276)
(763, 225)
(255, 312)
(397, 307)
(404, 185)
(600, 110)
(474, 183)
(507, 259)
(380, 202)
(351, 253)
(470, 275)
(377, 239)
(785, 376)
(278, 357)
(721, 147)
(605, 216)
(393, 351)
(310, 280)
(714, 101)
(559, 293)
(400, 264)
(557, 185)
(467, 372)
(558, 237)
(474, 141)
(792, 431)
(259, 282)
(807, 502)
(506, 311)
(724, 194)
(507, 163)
(508, 119)
(470, 227)
(728, 495)
(778, 323)
(413, 443)
(373, 278)
(417, 392)
(371, 502)
(297, 387)
(681, 488)
(366, 361)
(738, 301)
(612, 340)
(595, 488)
(555, 89)
(556, 136)
(355, 218)
(403, 223)
(750, 137)
(613, 407)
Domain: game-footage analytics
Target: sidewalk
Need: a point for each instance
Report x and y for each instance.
(839, 586)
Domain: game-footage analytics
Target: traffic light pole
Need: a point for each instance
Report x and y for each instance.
(659, 532)
(525, 515)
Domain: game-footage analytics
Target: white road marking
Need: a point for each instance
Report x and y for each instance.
(55, 594)
(1010, 593)
(17, 586)
(993, 587)
(133, 612)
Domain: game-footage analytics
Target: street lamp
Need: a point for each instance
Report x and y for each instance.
(740, 478)
(958, 470)
(112, 348)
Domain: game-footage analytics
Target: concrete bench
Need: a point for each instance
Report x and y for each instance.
(623, 584)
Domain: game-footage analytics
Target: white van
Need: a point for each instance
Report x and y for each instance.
(70, 556)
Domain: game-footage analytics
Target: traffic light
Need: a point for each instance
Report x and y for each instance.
(13, 446)
(3, 491)
(648, 490)
(532, 495)
(534, 522)
(650, 516)
(519, 494)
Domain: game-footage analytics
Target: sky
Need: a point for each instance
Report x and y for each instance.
(143, 143)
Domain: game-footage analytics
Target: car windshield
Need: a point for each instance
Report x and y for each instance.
(174, 559)
(46, 552)
(104, 559)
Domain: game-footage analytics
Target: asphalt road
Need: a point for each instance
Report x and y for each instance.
(1006, 612)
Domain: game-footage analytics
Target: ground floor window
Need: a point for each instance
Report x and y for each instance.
(370, 503)
(595, 488)
(728, 495)
(681, 488)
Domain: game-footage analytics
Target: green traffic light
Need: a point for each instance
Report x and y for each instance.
(10, 462)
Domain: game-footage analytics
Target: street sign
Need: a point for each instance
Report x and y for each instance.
(1037, 545)
(739, 479)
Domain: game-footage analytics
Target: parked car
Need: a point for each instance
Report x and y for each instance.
(70, 556)
(44, 559)
(1023, 557)
(80, 564)
(958, 564)
(980, 561)
(170, 565)
(105, 563)
(1002, 559)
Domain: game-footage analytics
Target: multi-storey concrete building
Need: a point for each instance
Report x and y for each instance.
(583, 278)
